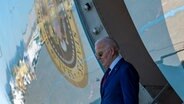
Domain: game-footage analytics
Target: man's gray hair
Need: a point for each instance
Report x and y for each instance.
(109, 42)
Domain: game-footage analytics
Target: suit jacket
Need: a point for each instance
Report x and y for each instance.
(121, 86)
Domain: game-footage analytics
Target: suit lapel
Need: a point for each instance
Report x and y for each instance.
(112, 73)
(115, 69)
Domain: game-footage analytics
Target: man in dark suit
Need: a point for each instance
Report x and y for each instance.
(120, 83)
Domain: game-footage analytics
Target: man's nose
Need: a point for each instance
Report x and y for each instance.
(97, 57)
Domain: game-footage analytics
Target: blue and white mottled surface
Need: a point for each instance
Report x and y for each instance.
(14, 15)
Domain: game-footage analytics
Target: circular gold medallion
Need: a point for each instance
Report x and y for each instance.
(62, 39)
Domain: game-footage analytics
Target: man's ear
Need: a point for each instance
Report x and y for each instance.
(112, 51)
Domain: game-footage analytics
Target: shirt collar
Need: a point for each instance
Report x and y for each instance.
(115, 62)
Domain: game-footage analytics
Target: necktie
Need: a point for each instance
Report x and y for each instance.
(105, 76)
